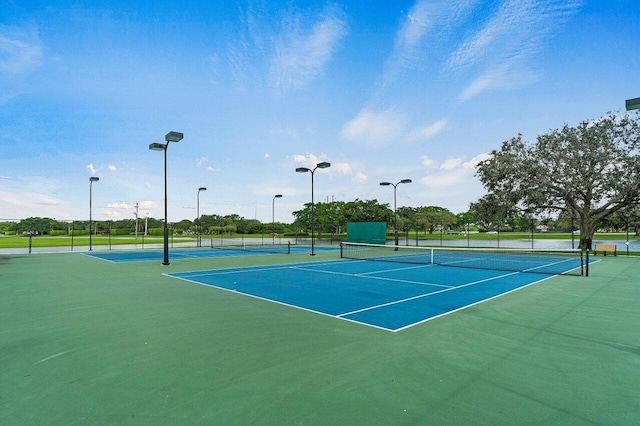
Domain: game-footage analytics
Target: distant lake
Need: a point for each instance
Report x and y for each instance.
(621, 246)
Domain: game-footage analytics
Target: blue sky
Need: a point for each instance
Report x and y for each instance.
(384, 90)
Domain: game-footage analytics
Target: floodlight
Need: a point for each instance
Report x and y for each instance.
(157, 146)
(173, 137)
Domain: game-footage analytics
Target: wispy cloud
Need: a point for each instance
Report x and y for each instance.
(428, 131)
(20, 49)
(413, 41)
(295, 52)
(375, 127)
(378, 128)
(91, 169)
(300, 55)
(453, 173)
(500, 53)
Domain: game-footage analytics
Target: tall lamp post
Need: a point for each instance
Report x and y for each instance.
(199, 243)
(91, 180)
(169, 137)
(322, 165)
(273, 217)
(395, 214)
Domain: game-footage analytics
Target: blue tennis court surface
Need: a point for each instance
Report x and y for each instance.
(385, 295)
(186, 253)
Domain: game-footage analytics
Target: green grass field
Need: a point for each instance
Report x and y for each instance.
(7, 241)
(87, 342)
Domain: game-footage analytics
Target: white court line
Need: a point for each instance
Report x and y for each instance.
(471, 304)
(283, 303)
(372, 277)
(427, 294)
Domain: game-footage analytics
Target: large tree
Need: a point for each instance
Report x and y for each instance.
(591, 171)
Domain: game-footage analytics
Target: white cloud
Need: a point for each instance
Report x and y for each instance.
(454, 173)
(429, 131)
(451, 163)
(375, 127)
(299, 55)
(309, 161)
(427, 162)
(91, 168)
(119, 205)
(200, 162)
(20, 49)
(360, 177)
(425, 17)
(341, 168)
(502, 49)
(473, 163)
(112, 168)
(266, 156)
(294, 53)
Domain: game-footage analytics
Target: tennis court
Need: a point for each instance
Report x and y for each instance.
(125, 256)
(392, 292)
(86, 341)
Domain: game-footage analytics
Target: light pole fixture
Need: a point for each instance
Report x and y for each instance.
(322, 165)
(395, 214)
(169, 137)
(199, 230)
(273, 217)
(91, 180)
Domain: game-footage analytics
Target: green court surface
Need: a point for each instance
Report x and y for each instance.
(83, 342)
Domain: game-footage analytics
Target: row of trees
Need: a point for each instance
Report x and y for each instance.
(589, 174)
(332, 217)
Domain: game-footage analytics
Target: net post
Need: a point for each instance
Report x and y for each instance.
(587, 265)
(288, 247)
(341, 256)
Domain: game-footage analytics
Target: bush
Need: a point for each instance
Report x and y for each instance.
(155, 231)
(57, 232)
(124, 231)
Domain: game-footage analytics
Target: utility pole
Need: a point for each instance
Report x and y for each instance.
(136, 214)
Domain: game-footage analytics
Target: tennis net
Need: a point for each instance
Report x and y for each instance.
(249, 245)
(553, 262)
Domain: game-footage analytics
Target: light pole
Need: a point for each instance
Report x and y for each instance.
(91, 180)
(169, 137)
(322, 165)
(395, 214)
(273, 217)
(199, 244)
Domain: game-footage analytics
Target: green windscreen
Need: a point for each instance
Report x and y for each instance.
(367, 232)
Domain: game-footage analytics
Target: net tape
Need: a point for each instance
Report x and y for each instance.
(257, 246)
(553, 262)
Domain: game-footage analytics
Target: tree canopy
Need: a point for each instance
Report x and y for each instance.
(590, 171)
